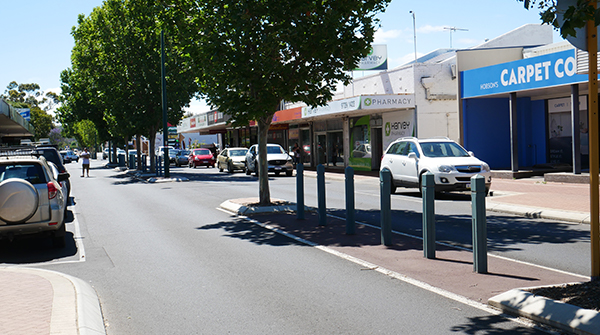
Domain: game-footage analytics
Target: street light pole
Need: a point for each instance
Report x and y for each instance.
(164, 103)
(414, 33)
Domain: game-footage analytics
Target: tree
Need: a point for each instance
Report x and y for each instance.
(573, 17)
(253, 55)
(41, 122)
(115, 78)
(86, 134)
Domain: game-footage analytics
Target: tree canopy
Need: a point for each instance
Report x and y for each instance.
(573, 17)
(252, 55)
(114, 79)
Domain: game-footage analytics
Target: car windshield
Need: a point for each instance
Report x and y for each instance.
(239, 152)
(173, 153)
(202, 152)
(274, 150)
(443, 149)
(184, 153)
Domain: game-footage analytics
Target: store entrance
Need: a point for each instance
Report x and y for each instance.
(321, 157)
(336, 148)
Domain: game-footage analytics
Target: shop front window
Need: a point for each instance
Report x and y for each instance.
(360, 144)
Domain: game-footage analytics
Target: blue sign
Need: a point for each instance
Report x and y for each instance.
(526, 74)
(25, 113)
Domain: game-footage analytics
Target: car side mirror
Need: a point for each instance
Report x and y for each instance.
(63, 176)
(412, 155)
(471, 154)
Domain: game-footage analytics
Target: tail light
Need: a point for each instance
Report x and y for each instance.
(52, 190)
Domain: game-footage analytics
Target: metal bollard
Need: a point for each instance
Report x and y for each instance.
(300, 191)
(428, 194)
(385, 178)
(321, 195)
(479, 224)
(350, 221)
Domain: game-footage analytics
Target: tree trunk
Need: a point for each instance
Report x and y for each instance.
(263, 174)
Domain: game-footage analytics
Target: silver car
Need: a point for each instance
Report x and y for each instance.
(278, 160)
(32, 199)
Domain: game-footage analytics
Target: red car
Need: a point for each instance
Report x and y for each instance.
(201, 157)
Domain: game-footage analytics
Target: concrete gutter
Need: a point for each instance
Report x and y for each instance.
(538, 213)
(554, 313)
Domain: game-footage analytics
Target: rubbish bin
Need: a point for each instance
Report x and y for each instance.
(121, 160)
(132, 161)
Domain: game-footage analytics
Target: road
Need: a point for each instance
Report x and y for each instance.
(164, 260)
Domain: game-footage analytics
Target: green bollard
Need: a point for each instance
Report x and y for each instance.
(350, 210)
(321, 195)
(428, 192)
(385, 178)
(479, 224)
(300, 192)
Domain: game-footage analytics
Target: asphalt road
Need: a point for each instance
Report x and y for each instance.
(164, 260)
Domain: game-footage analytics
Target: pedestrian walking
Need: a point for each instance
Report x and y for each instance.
(85, 162)
(296, 153)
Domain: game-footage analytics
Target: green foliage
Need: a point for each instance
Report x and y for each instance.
(114, 80)
(574, 17)
(30, 96)
(252, 55)
(41, 122)
(86, 134)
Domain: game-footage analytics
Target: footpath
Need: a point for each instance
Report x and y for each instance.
(37, 301)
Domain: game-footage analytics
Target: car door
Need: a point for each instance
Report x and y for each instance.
(222, 159)
(409, 167)
(251, 158)
(393, 159)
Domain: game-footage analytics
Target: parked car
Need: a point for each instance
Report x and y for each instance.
(232, 159)
(69, 156)
(278, 160)
(32, 200)
(201, 157)
(51, 154)
(182, 157)
(408, 158)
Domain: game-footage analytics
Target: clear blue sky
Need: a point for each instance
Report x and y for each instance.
(36, 42)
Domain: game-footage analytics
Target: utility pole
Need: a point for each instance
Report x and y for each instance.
(163, 82)
(415, 33)
(453, 29)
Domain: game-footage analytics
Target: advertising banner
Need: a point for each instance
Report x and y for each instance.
(397, 125)
(375, 60)
(549, 70)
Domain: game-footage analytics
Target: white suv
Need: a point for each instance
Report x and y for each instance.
(408, 158)
(278, 160)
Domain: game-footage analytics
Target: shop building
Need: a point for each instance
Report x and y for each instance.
(529, 109)
(13, 126)
(418, 99)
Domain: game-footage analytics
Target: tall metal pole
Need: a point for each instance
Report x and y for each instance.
(414, 33)
(592, 46)
(164, 104)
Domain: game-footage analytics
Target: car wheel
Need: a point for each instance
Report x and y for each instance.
(289, 173)
(19, 200)
(247, 170)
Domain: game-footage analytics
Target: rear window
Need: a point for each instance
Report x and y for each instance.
(32, 172)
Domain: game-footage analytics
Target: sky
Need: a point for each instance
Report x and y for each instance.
(36, 38)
